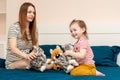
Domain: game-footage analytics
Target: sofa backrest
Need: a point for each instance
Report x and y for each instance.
(103, 55)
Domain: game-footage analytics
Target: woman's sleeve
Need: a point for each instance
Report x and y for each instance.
(12, 32)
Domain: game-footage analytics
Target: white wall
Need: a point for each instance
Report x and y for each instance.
(53, 17)
(105, 34)
(63, 11)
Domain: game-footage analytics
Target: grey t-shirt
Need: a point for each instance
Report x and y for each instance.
(14, 32)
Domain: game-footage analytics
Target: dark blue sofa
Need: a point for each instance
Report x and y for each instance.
(105, 60)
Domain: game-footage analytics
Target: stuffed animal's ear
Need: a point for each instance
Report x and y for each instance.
(63, 46)
(70, 44)
(58, 47)
(34, 47)
(51, 51)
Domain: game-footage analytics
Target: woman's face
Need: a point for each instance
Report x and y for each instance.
(30, 14)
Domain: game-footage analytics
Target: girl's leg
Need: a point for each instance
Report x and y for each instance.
(21, 64)
(98, 73)
(49, 66)
(84, 70)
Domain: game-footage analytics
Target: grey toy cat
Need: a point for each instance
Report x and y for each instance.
(39, 63)
(60, 59)
(71, 60)
(66, 62)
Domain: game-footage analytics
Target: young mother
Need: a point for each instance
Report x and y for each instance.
(22, 35)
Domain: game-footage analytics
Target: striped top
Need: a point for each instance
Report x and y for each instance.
(14, 32)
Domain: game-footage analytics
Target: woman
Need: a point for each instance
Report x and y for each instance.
(22, 35)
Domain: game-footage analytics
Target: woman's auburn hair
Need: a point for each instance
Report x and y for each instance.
(32, 25)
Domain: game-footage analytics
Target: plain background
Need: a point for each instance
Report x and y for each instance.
(53, 17)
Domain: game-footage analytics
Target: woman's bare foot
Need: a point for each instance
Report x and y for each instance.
(98, 73)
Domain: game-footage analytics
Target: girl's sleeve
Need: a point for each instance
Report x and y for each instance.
(83, 44)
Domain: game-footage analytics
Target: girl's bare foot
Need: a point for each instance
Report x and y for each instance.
(49, 66)
(98, 73)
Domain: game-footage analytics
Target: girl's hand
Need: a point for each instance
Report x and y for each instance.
(68, 52)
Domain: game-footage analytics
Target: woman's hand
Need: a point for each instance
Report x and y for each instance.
(30, 56)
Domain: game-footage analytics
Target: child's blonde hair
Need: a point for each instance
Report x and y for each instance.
(81, 24)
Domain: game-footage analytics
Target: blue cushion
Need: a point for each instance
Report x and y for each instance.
(116, 50)
(104, 56)
(2, 63)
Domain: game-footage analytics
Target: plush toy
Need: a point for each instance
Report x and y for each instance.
(57, 57)
(71, 60)
(54, 54)
(57, 66)
(39, 63)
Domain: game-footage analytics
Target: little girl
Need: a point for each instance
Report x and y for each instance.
(82, 51)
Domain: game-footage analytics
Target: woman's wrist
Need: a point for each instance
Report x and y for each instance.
(24, 56)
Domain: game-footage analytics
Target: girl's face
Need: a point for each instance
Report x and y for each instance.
(30, 14)
(76, 31)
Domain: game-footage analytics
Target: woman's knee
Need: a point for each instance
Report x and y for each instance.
(22, 64)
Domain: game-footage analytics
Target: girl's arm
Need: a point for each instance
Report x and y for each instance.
(17, 52)
(79, 55)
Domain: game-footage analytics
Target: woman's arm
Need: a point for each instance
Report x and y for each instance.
(17, 52)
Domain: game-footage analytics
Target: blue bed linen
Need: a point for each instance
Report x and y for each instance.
(112, 73)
